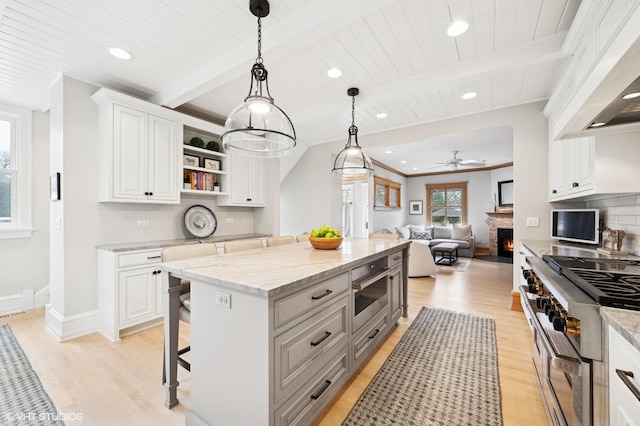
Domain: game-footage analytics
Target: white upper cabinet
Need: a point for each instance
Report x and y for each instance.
(246, 182)
(140, 151)
(593, 166)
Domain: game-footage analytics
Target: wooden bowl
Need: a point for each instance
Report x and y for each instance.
(325, 243)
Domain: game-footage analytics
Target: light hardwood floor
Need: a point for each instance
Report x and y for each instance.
(119, 383)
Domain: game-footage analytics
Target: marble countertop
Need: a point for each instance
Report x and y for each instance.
(147, 245)
(271, 270)
(556, 248)
(625, 322)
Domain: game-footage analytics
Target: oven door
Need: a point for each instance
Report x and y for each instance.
(564, 378)
(370, 297)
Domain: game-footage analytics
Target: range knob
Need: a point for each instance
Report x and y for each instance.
(559, 323)
(526, 273)
(552, 314)
(541, 302)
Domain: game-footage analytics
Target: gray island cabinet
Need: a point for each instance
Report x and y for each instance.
(276, 332)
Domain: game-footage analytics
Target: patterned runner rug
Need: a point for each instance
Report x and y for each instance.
(23, 400)
(444, 371)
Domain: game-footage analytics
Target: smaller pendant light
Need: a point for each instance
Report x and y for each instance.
(257, 127)
(352, 161)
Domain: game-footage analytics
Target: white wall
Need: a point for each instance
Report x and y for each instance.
(25, 261)
(311, 195)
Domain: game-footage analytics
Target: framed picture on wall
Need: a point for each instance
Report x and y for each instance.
(210, 163)
(415, 207)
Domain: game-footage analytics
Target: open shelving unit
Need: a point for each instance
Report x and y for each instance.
(202, 153)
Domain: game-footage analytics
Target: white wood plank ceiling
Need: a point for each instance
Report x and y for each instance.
(197, 54)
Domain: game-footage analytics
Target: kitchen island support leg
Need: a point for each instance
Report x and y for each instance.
(171, 289)
(405, 281)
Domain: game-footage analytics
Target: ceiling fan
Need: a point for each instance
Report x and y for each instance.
(455, 162)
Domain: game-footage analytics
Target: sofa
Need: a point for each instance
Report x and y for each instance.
(433, 235)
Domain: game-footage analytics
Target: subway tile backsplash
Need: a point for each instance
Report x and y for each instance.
(623, 213)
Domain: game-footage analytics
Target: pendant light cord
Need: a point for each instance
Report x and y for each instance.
(353, 110)
(259, 58)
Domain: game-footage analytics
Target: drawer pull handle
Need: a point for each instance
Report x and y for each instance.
(397, 257)
(374, 334)
(624, 376)
(324, 387)
(322, 339)
(326, 293)
(153, 257)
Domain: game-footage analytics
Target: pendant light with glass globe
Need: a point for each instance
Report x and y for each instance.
(352, 161)
(258, 127)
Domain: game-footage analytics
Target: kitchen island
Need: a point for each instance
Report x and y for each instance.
(276, 332)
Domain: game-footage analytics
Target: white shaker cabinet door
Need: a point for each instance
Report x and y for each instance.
(163, 163)
(137, 289)
(130, 153)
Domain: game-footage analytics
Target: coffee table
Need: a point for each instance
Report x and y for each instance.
(448, 253)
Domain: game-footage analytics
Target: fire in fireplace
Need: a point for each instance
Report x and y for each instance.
(505, 242)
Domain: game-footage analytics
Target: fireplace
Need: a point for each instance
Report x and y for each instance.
(504, 242)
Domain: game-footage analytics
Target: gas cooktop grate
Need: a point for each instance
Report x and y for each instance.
(607, 288)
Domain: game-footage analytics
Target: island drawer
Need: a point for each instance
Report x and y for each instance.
(307, 402)
(295, 305)
(394, 259)
(370, 335)
(146, 257)
(299, 351)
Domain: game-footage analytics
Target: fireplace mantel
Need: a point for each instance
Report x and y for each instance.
(508, 213)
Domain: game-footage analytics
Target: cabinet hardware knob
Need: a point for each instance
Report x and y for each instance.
(154, 272)
(554, 191)
(151, 193)
(575, 184)
(322, 339)
(324, 387)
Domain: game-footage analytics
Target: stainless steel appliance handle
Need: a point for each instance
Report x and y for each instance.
(367, 283)
(624, 376)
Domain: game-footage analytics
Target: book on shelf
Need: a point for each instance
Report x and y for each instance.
(201, 181)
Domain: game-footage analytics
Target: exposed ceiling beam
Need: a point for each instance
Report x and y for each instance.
(313, 22)
(541, 51)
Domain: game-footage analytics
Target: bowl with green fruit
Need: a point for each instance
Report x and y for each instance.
(325, 238)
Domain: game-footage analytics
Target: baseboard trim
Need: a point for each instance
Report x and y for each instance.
(515, 301)
(67, 328)
(25, 301)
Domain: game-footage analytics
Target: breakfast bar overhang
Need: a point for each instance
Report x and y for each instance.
(285, 343)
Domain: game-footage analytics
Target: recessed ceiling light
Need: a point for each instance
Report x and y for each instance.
(382, 115)
(469, 95)
(388, 152)
(403, 162)
(415, 168)
(120, 53)
(457, 28)
(598, 124)
(631, 95)
(334, 72)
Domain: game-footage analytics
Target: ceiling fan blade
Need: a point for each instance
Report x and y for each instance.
(473, 163)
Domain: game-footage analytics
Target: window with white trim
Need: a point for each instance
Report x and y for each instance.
(15, 172)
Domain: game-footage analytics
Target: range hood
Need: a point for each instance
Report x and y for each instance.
(620, 110)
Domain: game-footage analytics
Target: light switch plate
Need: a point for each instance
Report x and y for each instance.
(532, 222)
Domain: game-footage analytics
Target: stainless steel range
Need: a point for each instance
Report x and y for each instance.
(562, 301)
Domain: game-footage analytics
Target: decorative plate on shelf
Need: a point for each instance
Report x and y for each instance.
(200, 221)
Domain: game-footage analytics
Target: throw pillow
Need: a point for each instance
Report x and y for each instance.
(461, 232)
(420, 235)
(441, 233)
(404, 232)
(416, 228)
